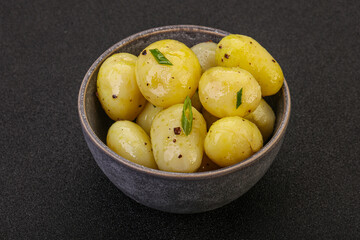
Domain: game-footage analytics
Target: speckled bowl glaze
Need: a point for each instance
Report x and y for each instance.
(168, 191)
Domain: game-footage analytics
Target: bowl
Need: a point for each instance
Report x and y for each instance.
(169, 191)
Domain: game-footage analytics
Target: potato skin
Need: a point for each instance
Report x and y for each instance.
(242, 51)
(130, 141)
(264, 118)
(117, 90)
(230, 140)
(165, 85)
(177, 152)
(205, 52)
(218, 89)
(147, 115)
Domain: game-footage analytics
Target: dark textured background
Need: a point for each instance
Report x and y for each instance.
(50, 185)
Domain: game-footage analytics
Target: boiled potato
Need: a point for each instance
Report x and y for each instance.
(166, 85)
(173, 150)
(209, 119)
(218, 88)
(117, 90)
(231, 140)
(205, 52)
(131, 142)
(195, 101)
(264, 118)
(242, 51)
(147, 115)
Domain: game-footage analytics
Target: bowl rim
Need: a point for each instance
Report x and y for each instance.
(275, 139)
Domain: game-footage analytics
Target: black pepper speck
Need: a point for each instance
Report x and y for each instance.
(177, 130)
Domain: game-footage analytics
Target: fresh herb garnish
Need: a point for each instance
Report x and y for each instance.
(238, 98)
(187, 116)
(160, 58)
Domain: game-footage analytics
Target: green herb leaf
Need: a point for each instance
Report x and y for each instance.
(187, 116)
(160, 58)
(238, 98)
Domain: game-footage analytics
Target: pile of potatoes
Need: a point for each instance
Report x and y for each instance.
(226, 82)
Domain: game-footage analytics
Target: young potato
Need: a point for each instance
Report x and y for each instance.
(173, 150)
(242, 51)
(219, 87)
(264, 118)
(209, 119)
(231, 140)
(131, 142)
(117, 90)
(166, 85)
(147, 115)
(205, 52)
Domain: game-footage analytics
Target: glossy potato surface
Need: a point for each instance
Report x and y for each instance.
(264, 118)
(230, 140)
(173, 150)
(218, 88)
(205, 52)
(166, 85)
(147, 115)
(131, 142)
(242, 51)
(117, 89)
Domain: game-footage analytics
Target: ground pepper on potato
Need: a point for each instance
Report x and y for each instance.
(117, 89)
(223, 121)
(245, 52)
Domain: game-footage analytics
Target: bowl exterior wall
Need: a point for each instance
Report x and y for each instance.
(181, 195)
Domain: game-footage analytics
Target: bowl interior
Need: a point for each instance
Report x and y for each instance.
(189, 35)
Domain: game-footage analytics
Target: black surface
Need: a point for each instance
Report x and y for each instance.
(50, 185)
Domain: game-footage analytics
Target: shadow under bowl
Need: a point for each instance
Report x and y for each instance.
(168, 191)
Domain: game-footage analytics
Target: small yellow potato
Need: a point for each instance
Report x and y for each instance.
(195, 101)
(218, 91)
(230, 140)
(173, 150)
(242, 51)
(166, 85)
(209, 119)
(205, 52)
(130, 141)
(207, 165)
(264, 118)
(147, 115)
(117, 89)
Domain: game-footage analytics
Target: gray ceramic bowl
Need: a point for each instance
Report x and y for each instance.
(167, 191)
